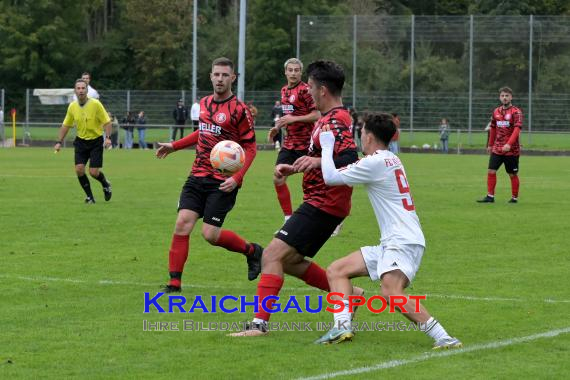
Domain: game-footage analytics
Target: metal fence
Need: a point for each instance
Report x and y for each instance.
(429, 67)
(423, 67)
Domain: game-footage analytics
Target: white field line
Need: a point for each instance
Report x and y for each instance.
(439, 354)
(294, 289)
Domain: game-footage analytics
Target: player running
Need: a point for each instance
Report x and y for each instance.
(207, 194)
(299, 115)
(506, 124)
(397, 259)
(324, 207)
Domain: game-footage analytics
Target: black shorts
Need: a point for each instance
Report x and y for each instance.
(308, 229)
(202, 195)
(89, 150)
(511, 163)
(289, 156)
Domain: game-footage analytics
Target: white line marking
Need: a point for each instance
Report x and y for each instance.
(291, 289)
(439, 354)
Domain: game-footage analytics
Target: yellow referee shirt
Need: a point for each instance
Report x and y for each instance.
(89, 118)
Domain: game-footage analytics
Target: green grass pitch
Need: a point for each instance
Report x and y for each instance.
(73, 276)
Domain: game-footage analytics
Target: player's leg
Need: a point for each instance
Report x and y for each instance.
(190, 209)
(95, 165)
(339, 274)
(285, 156)
(397, 268)
(217, 205)
(495, 162)
(269, 285)
(179, 247)
(307, 231)
(81, 158)
(512, 168)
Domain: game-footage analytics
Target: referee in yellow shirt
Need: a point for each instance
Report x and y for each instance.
(90, 118)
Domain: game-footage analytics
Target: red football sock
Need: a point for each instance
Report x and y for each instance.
(177, 257)
(269, 285)
(284, 197)
(491, 183)
(233, 242)
(515, 183)
(316, 277)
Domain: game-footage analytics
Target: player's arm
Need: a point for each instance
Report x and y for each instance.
(61, 136)
(164, 149)
(517, 125)
(108, 130)
(67, 123)
(330, 174)
(284, 121)
(247, 141)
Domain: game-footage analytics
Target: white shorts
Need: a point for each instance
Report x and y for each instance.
(380, 260)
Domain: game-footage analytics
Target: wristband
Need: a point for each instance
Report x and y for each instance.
(59, 142)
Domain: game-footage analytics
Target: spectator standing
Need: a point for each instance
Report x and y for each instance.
(141, 128)
(394, 146)
(180, 115)
(128, 125)
(276, 113)
(115, 127)
(444, 135)
(195, 114)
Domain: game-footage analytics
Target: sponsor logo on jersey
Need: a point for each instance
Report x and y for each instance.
(212, 128)
(221, 117)
(503, 123)
(287, 108)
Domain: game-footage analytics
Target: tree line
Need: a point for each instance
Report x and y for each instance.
(147, 44)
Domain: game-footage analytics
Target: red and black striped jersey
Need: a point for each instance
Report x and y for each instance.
(505, 121)
(229, 119)
(334, 200)
(297, 101)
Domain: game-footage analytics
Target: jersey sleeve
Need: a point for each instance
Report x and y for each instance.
(69, 120)
(102, 114)
(366, 170)
(518, 119)
(308, 100)
(245, 127)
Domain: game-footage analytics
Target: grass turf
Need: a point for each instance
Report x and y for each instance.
(73, 275)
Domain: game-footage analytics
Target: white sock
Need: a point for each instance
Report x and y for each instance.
(435, 330)
(287, 217)
(342, 319)
(258, 320)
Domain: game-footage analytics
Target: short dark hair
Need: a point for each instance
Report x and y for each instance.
(506, 89)
(381, 125)
(79, 80)
(328, 74)
(223, 61)
(87, 73)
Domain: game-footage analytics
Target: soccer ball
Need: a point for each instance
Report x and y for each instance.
(227, 157)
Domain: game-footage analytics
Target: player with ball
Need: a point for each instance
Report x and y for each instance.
(225, 126)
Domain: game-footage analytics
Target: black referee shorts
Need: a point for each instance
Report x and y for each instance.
(203, 195)
(308, 229)
(511, 163)
(89, 150)
(289, 156)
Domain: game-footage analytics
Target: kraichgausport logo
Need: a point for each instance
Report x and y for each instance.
(229, 304)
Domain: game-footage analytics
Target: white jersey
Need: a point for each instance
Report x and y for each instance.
(384, 177)
(195, 111)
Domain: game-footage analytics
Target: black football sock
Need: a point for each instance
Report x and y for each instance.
(102, 179)
(84, 182)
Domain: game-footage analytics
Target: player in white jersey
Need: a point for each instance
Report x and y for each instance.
(397, 259)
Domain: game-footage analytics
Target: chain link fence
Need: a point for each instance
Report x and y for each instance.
(422, 67)
(429, 67)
